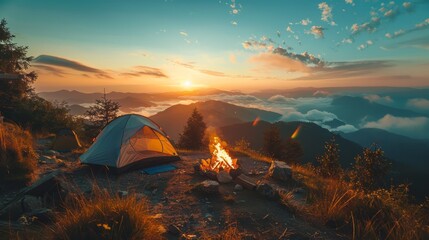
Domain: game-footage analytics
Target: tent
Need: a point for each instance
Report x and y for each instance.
(130, 140)
(66, 140)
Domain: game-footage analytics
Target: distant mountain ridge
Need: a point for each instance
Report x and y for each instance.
(216, 114)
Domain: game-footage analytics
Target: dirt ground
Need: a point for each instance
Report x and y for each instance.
(174, 202)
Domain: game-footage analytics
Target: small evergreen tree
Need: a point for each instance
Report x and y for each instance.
(330, 160)
(292, 151)
(193, 134)
(104, 111)
(370, 168)
(273, 144)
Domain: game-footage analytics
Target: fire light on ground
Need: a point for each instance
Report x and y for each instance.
(220, 159)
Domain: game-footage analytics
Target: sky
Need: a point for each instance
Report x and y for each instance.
(242, 45)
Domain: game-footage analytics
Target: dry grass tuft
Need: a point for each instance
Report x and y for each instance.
(104, 216)
(17, 156)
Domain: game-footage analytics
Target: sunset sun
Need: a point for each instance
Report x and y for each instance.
(187, 84)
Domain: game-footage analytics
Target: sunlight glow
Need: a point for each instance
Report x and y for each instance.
(187, 84)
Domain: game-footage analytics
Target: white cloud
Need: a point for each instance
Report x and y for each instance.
(379, 99)
(183, 34)
(313, 115)
(305, 22)
(347, 128)
(289, 29)
(416, 127)
(326, 13)
(420, 103)
(349, 2)
(317, 31)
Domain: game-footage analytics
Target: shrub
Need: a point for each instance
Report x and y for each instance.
(105, 217)
(330, 160)
(17, 156)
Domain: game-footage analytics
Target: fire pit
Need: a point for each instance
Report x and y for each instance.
(221, 166)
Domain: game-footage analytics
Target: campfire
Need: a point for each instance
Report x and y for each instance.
(220, 159)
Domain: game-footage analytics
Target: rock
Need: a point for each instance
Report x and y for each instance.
(238, 187)
(52, 153)
(280, 171)
(175, 230)
(208, 187)
(47, 159)
(235, 172)
(43, 215)
(224, 177)
(246, 181)
(268, 190)
(122, 193)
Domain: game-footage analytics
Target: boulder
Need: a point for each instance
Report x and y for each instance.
(223, 177)
(208, 187)
(280, 171)
(268, 190)
(238, 187)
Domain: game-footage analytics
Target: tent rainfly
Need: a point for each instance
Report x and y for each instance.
(130, 140)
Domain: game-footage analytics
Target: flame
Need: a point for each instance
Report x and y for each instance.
(220, 158)
(256, 121)
(295, 133)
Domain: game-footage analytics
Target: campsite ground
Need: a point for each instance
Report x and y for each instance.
(177, 206)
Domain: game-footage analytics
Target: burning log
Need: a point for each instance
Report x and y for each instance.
(220, 159)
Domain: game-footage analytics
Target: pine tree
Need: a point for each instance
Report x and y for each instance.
(15, 82)
(193, 134)
(370, 168)
(273, 144)
(104, 111)
(330, 160)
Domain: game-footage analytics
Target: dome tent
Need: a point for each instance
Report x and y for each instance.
(130, 140)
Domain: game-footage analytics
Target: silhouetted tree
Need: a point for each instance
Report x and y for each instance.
(15, 82)
(193, 133)
(370, 168)
(104, 111)
(273, 144)
(292, 151)
(18, 101)
(330, 160)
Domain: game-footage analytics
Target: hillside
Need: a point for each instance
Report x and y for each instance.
(312, 138)
(216, 114)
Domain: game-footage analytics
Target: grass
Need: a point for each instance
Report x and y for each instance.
(17, 156)
(381, 214)
(104, 216)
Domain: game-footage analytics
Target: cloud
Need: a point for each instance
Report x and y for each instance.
(417, 127)
(232, 58)
(191, 65)
(66, 63)
(280, 62)
(305, 22)
(346, 128)
(422, 43)
(370, 26)
(145, 71)
(379, 99)
(305, 57)
(349, 1)
(365, 45)
(419, 26)
(183, 34)
(50, 69)
(317, 31)
(408, 6)
(289, 29)
(257, 45)
(326, 13)
(419, 103)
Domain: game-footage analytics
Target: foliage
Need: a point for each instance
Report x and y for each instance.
(370, 169)
(273, 144)
(104, 111)
(105, 217)
(13, 62)
(330, 160)
(292, 151)
(18, 102)
(193, 134)
(17, 156)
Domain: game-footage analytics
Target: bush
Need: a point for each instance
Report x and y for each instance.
(105, 217)
(17, 156)
(330, 160)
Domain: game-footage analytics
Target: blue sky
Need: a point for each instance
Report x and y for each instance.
(223, 44)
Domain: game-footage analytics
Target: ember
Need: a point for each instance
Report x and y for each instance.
(220, 158)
